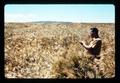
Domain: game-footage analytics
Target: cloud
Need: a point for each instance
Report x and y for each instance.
(17, 17)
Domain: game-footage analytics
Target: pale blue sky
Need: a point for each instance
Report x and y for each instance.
(101, 13)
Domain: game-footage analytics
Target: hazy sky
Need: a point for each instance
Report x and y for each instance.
(101, 13)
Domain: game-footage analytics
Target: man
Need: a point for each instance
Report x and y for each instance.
(94, 47)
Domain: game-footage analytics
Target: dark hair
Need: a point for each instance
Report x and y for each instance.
(94, 30)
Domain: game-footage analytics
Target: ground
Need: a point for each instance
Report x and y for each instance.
(52, 50)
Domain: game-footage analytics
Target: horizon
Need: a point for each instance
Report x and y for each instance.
(78, 13)
(63, 22)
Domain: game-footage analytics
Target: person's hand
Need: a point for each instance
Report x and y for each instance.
(81, 42)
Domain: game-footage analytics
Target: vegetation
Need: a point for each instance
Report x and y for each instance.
(52, 50)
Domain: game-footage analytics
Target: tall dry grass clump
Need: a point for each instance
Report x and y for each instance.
(52, 50)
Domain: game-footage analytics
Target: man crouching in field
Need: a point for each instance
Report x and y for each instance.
(94, 47)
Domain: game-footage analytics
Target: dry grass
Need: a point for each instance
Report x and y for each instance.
(52, 50)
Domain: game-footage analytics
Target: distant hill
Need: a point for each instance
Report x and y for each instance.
(47, 22)
(57, 22)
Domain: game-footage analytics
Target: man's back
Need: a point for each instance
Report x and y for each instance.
(95, 45)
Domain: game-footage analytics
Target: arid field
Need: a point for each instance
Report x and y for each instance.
(52, 50)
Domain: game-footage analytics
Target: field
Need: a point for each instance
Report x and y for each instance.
(52, 50)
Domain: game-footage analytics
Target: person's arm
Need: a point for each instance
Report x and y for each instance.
(85, 46)
(92, 44)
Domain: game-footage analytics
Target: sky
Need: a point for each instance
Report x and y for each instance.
(92, 13)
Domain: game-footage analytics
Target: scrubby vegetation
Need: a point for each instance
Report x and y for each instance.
(52, 50)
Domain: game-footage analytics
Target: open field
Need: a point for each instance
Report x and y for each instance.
(52, 50)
